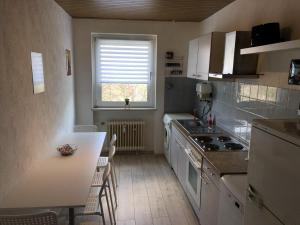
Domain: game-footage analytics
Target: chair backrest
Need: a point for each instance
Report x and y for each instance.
(106, 173)
(111, 153)
(105, 178)
(113, 140)
(85, 128)
(44, 218)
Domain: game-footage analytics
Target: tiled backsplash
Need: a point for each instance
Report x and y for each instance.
(180, 94)
(236, 104)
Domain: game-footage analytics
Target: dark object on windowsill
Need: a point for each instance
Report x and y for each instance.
(294, 75)
(265, 34)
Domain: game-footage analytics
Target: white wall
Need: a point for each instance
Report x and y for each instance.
(171, 36)
(28, 122)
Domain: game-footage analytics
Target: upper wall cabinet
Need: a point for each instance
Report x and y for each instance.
(206, 55)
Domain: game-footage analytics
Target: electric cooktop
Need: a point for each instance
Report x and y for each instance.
(217, 143)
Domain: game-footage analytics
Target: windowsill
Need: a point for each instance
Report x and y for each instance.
(123, 109)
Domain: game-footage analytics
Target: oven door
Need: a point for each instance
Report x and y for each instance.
(193, 178)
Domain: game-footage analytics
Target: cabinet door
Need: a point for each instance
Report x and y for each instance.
(174, 152)
(258, 215)
(182, 165)
(203, 59)
(209, 203)
(192, 58)
(231, 210)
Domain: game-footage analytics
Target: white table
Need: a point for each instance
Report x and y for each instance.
(59, 181)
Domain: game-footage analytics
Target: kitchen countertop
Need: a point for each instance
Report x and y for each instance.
(228, 162)
(232, 162)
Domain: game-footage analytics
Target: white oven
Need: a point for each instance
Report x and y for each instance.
(193, 178)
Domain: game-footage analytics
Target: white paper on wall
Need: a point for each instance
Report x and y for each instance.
(37, 72)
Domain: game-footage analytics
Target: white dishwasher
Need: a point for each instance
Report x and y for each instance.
(232, 200)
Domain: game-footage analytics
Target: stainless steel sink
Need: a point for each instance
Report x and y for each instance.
(198, 127)
(191, 123)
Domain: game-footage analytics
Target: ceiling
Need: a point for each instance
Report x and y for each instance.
(160, 10)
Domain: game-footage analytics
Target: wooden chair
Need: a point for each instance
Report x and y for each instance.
(44, 218)
(94, 204)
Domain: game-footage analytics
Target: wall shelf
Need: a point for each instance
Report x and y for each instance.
(221, 77)
(174, 66)
(287, 45)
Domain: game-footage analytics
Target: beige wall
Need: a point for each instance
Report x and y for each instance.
(171, 36)
(243, 14)
(28, 122)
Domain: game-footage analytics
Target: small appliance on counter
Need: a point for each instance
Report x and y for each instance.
(204, 91)
(294, 75)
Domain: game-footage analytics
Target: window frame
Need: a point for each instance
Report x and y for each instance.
(151, 87)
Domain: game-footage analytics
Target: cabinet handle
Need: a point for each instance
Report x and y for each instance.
(204, 179)
(252, 196)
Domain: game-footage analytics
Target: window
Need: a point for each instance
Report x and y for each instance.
(124, 67)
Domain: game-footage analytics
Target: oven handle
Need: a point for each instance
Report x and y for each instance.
(196, 164)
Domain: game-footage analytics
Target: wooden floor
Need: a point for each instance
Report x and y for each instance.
(149, 193)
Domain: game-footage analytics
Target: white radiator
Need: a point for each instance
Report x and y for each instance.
(130, 134)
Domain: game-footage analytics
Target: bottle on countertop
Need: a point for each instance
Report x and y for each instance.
(214, 120)
(210, 120)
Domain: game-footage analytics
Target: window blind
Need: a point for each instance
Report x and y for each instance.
(123, 61)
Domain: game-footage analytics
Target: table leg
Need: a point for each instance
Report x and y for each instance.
(71, 216)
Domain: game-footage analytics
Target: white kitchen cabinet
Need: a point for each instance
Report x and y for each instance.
(174, 152)
(206, 55)
(209, 196)
(182, 164)
(192, 58)
(178, 156)
(231, 209)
